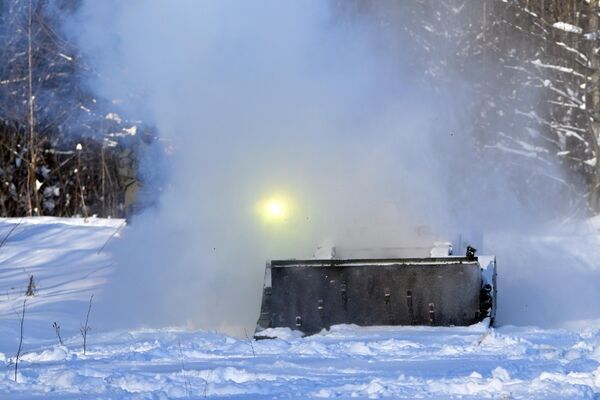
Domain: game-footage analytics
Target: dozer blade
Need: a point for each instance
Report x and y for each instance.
(309, 295)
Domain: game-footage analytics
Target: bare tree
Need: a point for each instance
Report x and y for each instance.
(29, 292)
(18, 356)
(534, 70)
(32, 190)
(84, 329)
(56, 327)
(592, 37)
(63, 151)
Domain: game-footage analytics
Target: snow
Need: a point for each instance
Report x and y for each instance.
(66, 57)
(564, 26)
(441, 249)
(114, 117)
(525, 153)
(324, 251)
(344, 362)
(573, 50)
(130, 131)
(62, 256)
(539, 63)
(348, 361)
(574, 134)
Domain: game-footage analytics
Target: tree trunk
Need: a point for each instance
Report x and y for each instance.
(33, 200)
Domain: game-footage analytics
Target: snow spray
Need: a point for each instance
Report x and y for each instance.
(291, 125)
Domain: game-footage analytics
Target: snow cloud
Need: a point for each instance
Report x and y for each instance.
(294, 107)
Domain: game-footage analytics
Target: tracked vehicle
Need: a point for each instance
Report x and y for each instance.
(439, 290)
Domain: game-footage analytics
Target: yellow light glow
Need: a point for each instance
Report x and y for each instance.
(274, 209)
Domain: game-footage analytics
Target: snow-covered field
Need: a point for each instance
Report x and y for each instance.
(347, 361)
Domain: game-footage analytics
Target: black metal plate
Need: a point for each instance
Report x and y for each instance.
(312, 297)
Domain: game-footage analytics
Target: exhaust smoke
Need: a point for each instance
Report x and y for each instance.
(294, 125)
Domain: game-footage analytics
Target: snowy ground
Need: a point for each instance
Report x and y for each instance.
(396, 362)
(346, 362)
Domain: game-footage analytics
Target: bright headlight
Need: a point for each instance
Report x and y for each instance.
(274, 209)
